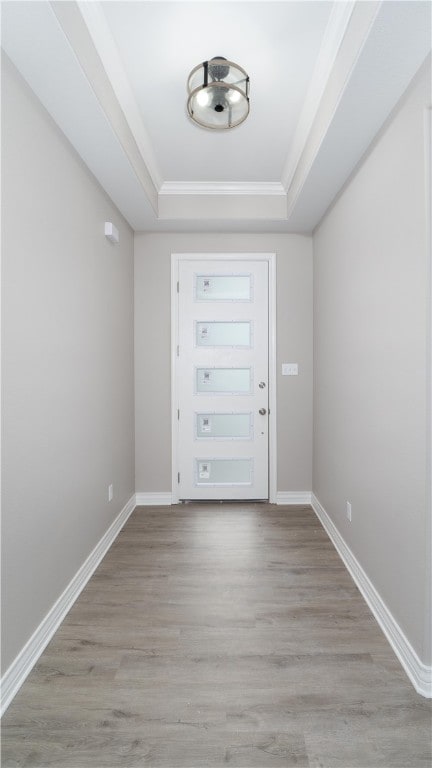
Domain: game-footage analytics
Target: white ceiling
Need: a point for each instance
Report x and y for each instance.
(324, 78)
(278, 51)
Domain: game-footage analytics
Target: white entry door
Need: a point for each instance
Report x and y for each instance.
(223, 380)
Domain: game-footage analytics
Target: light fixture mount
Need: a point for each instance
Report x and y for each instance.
(218, 94)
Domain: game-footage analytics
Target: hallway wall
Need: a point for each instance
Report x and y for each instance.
(67, 370)
(372, 365)
(68, 363)
(153, 350)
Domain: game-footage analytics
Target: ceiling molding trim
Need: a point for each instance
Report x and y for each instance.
(395, 52)
(99, 30)
(222, 188)
(222, 207)
(78, 36)
(360, 24)
(36, 49)
(333, 37)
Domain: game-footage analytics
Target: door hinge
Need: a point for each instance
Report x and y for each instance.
(178, 414)
(178, 477)
(178, 350)
(178, 287)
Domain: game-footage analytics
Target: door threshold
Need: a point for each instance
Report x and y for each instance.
(223, 501)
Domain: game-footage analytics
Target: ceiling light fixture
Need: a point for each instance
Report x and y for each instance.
(218, 94)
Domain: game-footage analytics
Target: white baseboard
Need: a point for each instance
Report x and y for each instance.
(156, 499)
(15, 676)
(419, 674)
(166, 499)
(293, 497)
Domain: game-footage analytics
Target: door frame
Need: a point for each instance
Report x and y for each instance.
(270, 258)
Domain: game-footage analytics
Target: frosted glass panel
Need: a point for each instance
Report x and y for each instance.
(230, 426)
(223, 471)
(223, 288)
(223, 334)
(223, 380)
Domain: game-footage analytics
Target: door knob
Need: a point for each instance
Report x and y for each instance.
(261, 384)
(262, 411)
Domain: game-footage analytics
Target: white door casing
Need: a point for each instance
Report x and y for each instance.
(223, 360)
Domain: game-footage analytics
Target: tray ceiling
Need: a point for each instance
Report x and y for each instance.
(324, 78)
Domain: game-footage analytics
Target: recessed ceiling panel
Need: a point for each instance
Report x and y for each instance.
(277, 43)
(324, 77)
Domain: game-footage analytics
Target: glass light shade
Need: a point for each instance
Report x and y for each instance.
(218, 94)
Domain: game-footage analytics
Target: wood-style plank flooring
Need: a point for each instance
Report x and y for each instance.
(219, 635)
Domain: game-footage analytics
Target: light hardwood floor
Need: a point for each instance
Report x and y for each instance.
(219, 635)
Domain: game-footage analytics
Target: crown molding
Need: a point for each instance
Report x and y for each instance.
(44, 60)
(222, 206)
(229, 201)
(334, 34)
(74, 26)
(103, 41)
(354, 31)
(359, 63)
(221, 188)
(369, 70)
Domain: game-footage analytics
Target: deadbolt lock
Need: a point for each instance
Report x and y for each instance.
(261, 384)
(262, 411)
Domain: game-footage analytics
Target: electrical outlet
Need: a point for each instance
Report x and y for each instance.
(110, 492)
(349, 511)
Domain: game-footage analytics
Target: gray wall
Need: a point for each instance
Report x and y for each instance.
(152, 350)
(68, 424)
(371, 364)
(68, 415)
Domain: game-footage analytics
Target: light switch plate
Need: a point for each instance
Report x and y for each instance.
(289, 369)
